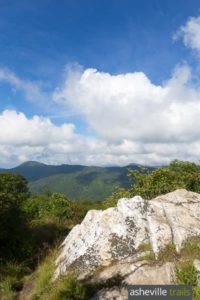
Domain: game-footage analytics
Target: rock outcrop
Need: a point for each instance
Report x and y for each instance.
(116, 237)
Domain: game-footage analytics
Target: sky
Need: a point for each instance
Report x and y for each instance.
(99, 82)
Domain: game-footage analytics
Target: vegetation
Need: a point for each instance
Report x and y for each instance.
(91, 183)
(187, 275)
(29, 228)
(13, 193)
(32, 226)
(75, 181)
(163, 180)
(66, 287)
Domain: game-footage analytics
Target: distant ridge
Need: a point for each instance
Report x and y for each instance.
(32, 163)
(76, 181)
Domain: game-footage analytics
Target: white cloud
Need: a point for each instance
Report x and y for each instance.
(37, 131)
(135, 120)
(129, 106)
(23, 139)
(32, 91)
(39, 139)
(190, 33)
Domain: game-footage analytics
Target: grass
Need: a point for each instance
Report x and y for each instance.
(145, 247)
(43, 276)
(67, 288)
(11, 279)
(186, 274)
(6, 290)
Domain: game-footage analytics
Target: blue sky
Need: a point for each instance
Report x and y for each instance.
(38, 38)
(45, 43)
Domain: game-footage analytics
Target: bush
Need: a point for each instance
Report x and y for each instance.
(187, 274)
(54, 206)
(166, 179)
(14, 232)
(15, 186)
(116, 195)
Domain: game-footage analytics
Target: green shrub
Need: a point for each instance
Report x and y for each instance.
(14, 185)
(54, 206)
(14, 231)
(177, 175)
(116, 195)
(187, 274)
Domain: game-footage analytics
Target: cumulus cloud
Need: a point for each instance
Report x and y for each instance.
(39, 139)
(190, 33)
(22, 139)
(134, 120)
(37, 131)
(129, 106)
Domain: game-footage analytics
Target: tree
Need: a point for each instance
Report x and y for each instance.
(13, 223)
(14, 185)
(177, 175)
(54, 206)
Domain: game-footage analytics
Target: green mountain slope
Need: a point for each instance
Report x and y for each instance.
(90, 184)
(33, 170)
(76, 181)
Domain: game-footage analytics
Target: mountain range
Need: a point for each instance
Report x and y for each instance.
(76, 181)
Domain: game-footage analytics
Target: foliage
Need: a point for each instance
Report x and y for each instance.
(15, 186)
(165, 179)
(14, 233)
(53, 206)
(81, 208)
(116, 195)
(69, 288)
(11, 282)
(187, 274)
(196, 293)
(35, 224)
(90, 183)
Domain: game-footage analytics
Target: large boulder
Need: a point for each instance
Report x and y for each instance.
(117, 234)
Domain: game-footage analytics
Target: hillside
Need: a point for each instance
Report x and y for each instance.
(105, 245)
(76, 181)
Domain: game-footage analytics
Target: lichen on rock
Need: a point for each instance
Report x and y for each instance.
(115, 234)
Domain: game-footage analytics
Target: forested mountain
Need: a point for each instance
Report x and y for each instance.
(76, 181)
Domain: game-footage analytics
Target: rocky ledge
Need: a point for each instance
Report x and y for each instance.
(113, 241)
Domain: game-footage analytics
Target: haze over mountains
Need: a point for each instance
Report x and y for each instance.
(76, 181)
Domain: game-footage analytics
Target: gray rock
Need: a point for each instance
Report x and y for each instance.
(137, 273)
(114, 293)
(107, 237)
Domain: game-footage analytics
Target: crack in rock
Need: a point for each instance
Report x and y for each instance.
(117, 233)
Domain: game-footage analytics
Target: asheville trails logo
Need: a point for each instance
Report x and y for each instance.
(167, 292)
